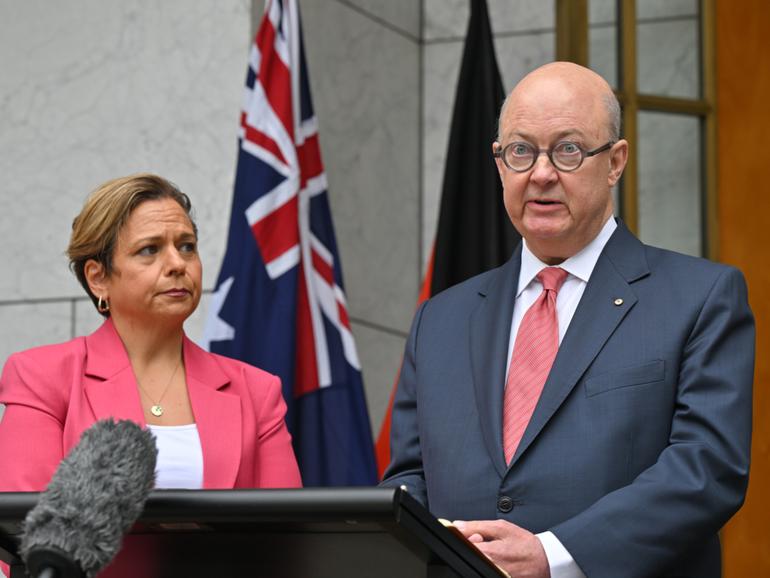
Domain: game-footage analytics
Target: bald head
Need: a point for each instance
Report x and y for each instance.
(570, 81)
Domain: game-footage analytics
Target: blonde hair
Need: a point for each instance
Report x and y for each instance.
(95, 230)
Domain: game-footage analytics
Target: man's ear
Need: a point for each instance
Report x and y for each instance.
(96, 277)
(496, 146)
(618, 160)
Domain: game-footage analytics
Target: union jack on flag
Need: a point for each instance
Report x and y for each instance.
(279, 302)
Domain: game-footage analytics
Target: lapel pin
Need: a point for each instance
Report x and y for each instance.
(618, 301)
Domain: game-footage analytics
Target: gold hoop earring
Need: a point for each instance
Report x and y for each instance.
(102, 305)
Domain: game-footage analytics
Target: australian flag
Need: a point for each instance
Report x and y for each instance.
(279, 302)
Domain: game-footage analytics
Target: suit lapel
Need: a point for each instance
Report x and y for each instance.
(110, 385)
(622, 261)
(218, 415)
(490, 328)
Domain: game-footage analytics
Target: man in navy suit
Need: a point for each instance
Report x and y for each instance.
(636, 449)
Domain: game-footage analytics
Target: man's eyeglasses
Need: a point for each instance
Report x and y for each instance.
(566, 156)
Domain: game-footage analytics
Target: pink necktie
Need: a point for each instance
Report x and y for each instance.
(533, 353)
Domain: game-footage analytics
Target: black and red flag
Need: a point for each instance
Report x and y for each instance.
(474, 232)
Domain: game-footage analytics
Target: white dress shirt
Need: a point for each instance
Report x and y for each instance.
(579, 267)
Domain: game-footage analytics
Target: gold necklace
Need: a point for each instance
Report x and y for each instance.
(156, 409)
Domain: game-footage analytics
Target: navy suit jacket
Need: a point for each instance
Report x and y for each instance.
(638, 450)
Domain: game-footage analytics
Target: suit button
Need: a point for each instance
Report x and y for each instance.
(504, 504)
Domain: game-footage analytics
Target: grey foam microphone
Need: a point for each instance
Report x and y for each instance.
(95, 496)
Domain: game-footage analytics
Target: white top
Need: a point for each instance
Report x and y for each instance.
(579, 267)
(180, 457)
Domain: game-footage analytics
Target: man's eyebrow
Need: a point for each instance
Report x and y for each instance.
(570, 132)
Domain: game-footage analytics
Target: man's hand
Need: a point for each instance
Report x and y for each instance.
(514, 549)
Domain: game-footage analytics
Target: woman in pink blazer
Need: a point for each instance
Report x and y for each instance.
(218, 423)
(55, 392)
(133, 248)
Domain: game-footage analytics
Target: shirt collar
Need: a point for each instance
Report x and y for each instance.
(580, 265)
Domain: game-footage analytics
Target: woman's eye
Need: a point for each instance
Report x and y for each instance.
(148, 250)
(188, 247)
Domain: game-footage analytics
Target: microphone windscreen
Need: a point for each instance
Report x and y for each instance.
(97, 493)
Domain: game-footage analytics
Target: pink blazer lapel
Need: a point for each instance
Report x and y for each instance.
(218, 415)
(110, 385)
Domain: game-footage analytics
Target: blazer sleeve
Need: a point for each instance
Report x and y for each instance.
(31, 428)
(700, 478)
(276, 464)
(406, 461)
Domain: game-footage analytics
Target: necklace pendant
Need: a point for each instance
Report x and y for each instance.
(156, 410)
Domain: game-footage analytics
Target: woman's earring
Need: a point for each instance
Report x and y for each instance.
(102, 305)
